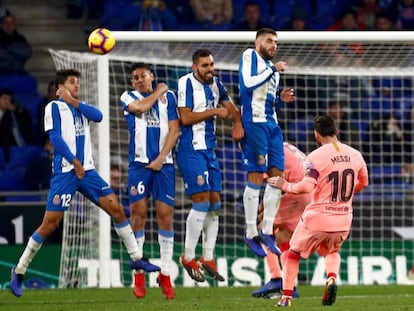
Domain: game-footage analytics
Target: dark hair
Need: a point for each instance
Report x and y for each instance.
(263, 31)
(135, 66)
(324, 125)
(201, 53)
(251, 3)
(6, 92)
(63, 74)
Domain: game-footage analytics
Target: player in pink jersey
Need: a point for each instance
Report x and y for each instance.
(287, 217)
(334, 172)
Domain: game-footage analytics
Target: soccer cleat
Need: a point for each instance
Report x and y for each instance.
(284, 301)
(165, 282)
(255, 246)
(271, 287)
(16, 283)
(269, 241)
(139, 285)
(210, 267)
(192, 269)
(329, 295)
(143, 264)
(295, 293)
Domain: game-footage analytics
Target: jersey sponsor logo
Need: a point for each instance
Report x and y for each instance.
(79, 128)
(56, 199)
(200, 180)
(133, 191)
(337, 208)
(152, 118)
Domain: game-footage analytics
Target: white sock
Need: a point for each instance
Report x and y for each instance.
(29, 252)
(140, 238)
(210, 233)
(194, 225)
(166, 242)
(251, 206)
(124, 231)
(271, 202)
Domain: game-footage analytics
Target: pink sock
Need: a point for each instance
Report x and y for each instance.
(290, 271)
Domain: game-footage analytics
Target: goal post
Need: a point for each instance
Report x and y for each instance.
(369, 73)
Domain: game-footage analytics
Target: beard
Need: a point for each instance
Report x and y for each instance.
(266, 55)
(205, 78)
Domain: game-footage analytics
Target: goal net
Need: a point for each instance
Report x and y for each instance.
(368, 75)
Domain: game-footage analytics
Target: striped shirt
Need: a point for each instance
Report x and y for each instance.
(74, 129)
(148, 131)
(258, 86)
(199, 97)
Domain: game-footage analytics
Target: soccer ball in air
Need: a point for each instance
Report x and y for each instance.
(101, 41)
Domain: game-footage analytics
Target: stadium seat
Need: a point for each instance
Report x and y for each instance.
(386, 174)
(2, 159)
(238, 9)
(24, 198)
(120, 15)
(282, 13)
(11, 179)
(31, 101)
(22, 156)
(298, 131)
(19, 83)
(324, 13)
(183, 11)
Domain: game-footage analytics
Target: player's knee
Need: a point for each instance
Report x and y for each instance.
(293, 255)
(118, 214)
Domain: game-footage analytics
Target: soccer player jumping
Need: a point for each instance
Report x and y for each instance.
(262, 145)
(334, 172)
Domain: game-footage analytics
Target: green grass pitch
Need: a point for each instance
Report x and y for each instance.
(349, 298)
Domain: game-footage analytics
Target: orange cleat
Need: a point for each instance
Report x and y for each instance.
(165, 282)
(192, 269)
(139, 285)
(210, 267)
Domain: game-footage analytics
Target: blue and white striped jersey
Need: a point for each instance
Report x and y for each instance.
(73, 127)
(149, 130)
(259, 84)
(199, 97)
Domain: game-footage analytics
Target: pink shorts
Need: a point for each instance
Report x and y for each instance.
(290, 210)
(305, 242)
